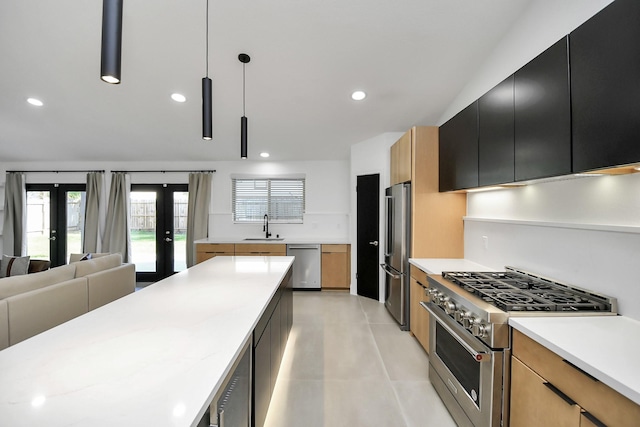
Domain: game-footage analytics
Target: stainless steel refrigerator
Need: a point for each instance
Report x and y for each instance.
(397, 250)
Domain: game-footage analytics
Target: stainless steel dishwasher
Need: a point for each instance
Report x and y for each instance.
(306, 267)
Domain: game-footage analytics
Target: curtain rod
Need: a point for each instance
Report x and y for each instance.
(73, 171)
(176, 171)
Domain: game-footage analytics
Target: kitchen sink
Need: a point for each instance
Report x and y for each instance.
(262, 239)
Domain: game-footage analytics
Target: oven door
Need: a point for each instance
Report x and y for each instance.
(464, 371)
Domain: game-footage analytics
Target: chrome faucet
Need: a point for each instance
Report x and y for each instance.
(265, 226)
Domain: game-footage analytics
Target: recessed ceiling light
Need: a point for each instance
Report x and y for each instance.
(34, 101)
(264, 154)
(358, 95)
(178, 97)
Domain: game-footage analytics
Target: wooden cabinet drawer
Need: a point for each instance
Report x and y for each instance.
(418, 274)
(334, 248)
(419, 317)
(533, 404)
(215, 247)
(261, 249)
(604, 403)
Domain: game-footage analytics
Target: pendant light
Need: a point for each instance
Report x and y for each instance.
(207, 110)
(111, 41)
(244, 58)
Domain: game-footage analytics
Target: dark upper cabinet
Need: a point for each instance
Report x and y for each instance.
(542, 124)
(605, 85)
(458, 158)
(495, 135)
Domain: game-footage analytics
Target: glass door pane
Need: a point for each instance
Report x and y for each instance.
(38, 224)
(75, 204)
(143, 231)
(180, 206)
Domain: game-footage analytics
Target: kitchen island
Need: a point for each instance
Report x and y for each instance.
(156, 357)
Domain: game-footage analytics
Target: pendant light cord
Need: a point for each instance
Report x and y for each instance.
(243, 90)
(207, 41)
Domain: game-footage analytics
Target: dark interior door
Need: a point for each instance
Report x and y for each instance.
(368, 230)
(158, 230)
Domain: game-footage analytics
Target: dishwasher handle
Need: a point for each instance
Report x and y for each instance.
(303, 247)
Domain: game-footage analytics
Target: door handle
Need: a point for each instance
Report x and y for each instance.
(389, 272)
(374, 243)
(52, 238)
(168, 239)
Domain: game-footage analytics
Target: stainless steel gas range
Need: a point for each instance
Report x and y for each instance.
(470, 339)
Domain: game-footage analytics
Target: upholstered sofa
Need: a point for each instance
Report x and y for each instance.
(33, 303)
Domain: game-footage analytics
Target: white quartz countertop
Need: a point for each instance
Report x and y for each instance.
(282, 240)
(606, 347)
(153, 358)
(438, 265)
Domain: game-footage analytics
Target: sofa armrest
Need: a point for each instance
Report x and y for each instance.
(109, 285)
(4, 325)
(33, 312)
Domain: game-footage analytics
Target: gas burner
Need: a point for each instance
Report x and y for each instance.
(518, 291)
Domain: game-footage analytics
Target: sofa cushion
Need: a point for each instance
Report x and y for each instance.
(14, 266)
(86, 256)
(36, 265)
(10, 286)
(98, 264)
(4, 325)
(33, 312)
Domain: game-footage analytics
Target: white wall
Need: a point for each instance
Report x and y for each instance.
(367, 158)
(327, 182)
(585, 232)
(542, 23)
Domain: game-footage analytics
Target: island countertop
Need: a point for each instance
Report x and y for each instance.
(155, 357)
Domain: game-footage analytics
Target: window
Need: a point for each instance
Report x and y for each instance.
(281, 198)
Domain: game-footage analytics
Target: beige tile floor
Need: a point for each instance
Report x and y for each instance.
(347, 363)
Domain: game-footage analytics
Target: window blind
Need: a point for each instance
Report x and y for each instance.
(283, 199)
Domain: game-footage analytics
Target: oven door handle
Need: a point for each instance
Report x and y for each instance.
(445, 322)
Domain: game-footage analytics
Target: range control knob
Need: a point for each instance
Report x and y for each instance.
(435, 297)
(479, 330)
(449, 307)
(459, 315)
(467, 320)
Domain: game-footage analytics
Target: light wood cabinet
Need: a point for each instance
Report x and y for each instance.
(205, 251)
(534, 404)
(260, 249)
(335, 270)
(401, 160)
(419, 317)
(436, 218)
(599, 400)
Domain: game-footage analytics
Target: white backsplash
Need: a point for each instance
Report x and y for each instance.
(585, 232)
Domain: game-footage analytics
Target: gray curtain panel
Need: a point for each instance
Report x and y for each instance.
(197, 211)
(117, 238)
(95, 213)
(15, 215)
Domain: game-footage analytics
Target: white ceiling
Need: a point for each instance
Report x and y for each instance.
(412, 57)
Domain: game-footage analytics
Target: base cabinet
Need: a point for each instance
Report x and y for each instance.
(543, 384)
(419, 317)
(269, 340)
(335, 271)
(534, 403)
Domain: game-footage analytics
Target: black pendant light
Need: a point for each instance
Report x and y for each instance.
(111, 41)
(244, 58)
(207, 113)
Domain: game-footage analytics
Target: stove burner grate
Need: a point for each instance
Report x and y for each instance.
(510, 291)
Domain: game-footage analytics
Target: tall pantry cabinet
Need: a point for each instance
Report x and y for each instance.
(437, 229)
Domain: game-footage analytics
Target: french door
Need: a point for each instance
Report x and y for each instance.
(55, 221)
(158, 230)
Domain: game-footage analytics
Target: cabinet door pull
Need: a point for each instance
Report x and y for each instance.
(593, 419)
(580, 370)
(560, 394)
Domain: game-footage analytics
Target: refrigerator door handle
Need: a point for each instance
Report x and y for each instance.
(388, 250)
(389, 272)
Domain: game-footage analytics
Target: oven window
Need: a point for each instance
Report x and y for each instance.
(461, 364)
